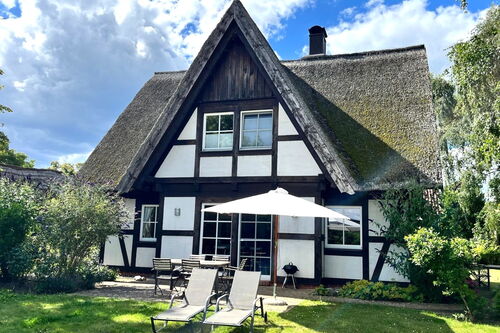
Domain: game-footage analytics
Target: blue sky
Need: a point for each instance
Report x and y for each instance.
(72, 66)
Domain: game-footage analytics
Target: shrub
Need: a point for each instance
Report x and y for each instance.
(449, 259)
(321, 290)
(364, 289)
(496, 305)
(18, 210)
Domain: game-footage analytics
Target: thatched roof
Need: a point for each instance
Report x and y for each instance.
(368, 115)
(41, 178)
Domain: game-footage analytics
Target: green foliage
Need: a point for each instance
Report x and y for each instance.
(19, 206)
(77, 219)
(496, 304)
(10, 156)
(321, 290)
(448, 259)
(475, 73)
(67, 169)
(364, 289)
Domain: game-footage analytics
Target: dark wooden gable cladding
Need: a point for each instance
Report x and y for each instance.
(235, 77)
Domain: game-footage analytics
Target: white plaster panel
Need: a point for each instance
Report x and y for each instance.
(300, 252)
(178, 163)
(130, 209)
(297, 225)
(144, 256)
(294, 159)
(388, 274)
(375, 214)
(285, 126)
(219, 166)
(186, 219)
(113, 253)
(189, 131)
(343, 267)
(176, 246)
(258, 165)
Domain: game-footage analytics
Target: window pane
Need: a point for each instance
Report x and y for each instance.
(208, 246)
(223, 246)
(248, 217)
(352, 237)
(212, 123)
(264, 218)
(335, 236)
(148, 230)
(226, 122)
(149, 214)
(209, 229)
(250, 121)
(263, 265)
(265, 139)
(211, 141)
(224, 230)
(247, 230)
(209, 216)
(263, 230)
(225, 217)
(226, 140)
(263, 249)
(249, 139)
(247, 248)
(266, 121)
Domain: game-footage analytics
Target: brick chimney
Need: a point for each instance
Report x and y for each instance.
(317, 40)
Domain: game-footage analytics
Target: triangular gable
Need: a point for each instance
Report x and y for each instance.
(287, 94)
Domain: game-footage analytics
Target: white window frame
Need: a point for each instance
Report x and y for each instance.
(219, 131)
(148, 239)
(242, 119)
(345, 246)
(216, 237)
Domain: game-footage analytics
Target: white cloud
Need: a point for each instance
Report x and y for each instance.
(72, 66)
(408, 23)
(73, 158)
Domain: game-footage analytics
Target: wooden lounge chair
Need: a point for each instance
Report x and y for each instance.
(242, 302)
(164, 270)
(196, 299)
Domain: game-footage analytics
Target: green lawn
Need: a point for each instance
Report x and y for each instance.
(65, 313)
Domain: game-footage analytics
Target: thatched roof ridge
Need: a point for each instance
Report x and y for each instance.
(41, 178)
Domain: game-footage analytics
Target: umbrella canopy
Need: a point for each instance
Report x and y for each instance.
(278, 202)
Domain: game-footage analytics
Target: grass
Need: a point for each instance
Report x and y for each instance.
(67, 313)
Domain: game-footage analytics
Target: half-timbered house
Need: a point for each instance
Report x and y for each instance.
(334, 129)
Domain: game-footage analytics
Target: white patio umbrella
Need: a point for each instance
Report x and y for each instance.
(278, 202)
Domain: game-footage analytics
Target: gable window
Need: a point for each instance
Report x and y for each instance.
(256, 129)
(215, 233)
(218, 131)
(149, 220)
(345, 234)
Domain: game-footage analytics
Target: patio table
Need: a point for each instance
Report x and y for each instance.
(204, 263)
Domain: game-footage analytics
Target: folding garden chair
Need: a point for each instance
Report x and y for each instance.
(197, 256)
(164, 270)
(187, 266)
(227, 276)
(196, 299)
(242, 302)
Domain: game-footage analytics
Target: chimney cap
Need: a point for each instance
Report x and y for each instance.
(317, 30)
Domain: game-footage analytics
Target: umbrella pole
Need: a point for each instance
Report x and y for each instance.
(274, 300)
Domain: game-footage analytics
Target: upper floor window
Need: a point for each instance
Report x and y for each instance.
(149, 220)
(256, 129)
(345, 234)
(218, 131)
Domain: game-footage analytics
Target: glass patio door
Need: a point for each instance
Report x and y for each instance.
(255, 243)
